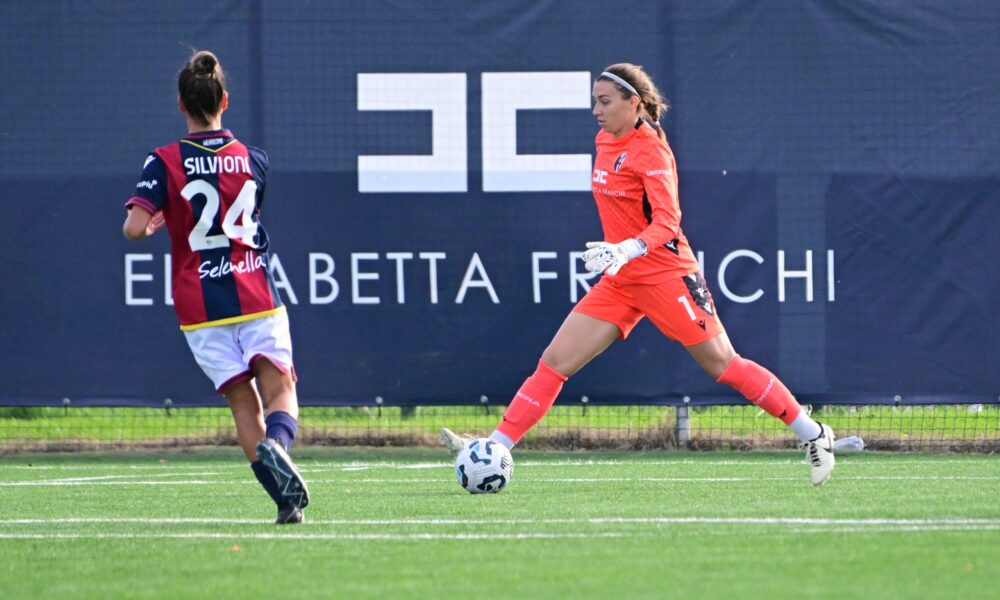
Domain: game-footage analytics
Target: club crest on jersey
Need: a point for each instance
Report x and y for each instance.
(620, 160)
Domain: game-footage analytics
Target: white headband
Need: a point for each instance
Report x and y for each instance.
(619, 81)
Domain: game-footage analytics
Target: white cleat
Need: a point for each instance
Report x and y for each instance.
(452, 441)
(819, 454)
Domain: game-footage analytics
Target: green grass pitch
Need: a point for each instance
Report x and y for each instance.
(394, 524)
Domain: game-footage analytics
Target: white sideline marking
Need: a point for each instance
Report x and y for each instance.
(753, 460)
(744, 479)
(118, 467)
(878, 529)
(679, 479)
(72, 483)
(111, 477)
(799, 521)
(437, 481)
(784, 462)
(315, 536)
(306, 464)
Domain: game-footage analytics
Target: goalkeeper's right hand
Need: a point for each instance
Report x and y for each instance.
(603, 256)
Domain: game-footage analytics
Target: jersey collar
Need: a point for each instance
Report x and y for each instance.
(201, 135)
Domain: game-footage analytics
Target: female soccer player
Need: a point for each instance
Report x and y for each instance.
(649, 271)
(208, 189)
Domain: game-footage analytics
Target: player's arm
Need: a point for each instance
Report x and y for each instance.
(659, 178)
(656, 168)
(145, 208)
(141, 223)
(259, 162)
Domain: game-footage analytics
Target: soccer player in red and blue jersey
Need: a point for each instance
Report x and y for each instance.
(649, 271)
(208, 189)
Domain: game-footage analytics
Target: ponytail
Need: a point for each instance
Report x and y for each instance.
(201, 85)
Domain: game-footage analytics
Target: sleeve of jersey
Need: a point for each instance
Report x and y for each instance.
(151, 191)
(660, 183)
(259, 164)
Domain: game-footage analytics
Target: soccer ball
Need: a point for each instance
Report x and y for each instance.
(484, 466)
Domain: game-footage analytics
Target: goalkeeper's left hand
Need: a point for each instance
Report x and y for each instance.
(603, 256)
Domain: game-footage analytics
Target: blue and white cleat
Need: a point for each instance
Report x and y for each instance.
(290, 483)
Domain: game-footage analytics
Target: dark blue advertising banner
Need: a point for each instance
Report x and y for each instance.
(429, 197)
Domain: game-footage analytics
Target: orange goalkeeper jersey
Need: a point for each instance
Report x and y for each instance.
(635, 186)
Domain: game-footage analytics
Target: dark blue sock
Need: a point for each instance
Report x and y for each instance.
(268, 482)
(282, 427)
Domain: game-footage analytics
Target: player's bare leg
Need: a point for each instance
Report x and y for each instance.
(248, 415)
(249, 418)
(713, 355)
(758, 385)
(277, 390)
(576, 343)
(580, 339)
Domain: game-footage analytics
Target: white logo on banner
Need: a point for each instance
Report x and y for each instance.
(446, 168)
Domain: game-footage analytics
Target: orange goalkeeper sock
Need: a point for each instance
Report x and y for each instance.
(531, 402)
(760, 386)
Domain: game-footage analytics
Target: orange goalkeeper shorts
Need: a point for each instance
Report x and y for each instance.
(681, 308)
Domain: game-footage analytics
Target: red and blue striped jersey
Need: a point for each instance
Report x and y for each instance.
(210, 188)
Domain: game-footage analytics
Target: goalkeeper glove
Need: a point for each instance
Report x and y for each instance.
(612, 257)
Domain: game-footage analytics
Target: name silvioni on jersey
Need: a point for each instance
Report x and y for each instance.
(212, 165)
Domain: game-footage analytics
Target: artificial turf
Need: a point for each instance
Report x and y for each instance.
(393, 523)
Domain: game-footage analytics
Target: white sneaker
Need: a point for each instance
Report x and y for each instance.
(453, 441)
(819, 453)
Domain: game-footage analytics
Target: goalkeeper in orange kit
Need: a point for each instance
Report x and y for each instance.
(650, 271)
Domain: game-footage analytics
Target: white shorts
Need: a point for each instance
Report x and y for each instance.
(226, 353)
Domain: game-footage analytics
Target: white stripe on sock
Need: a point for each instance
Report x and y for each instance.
(500, 437)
